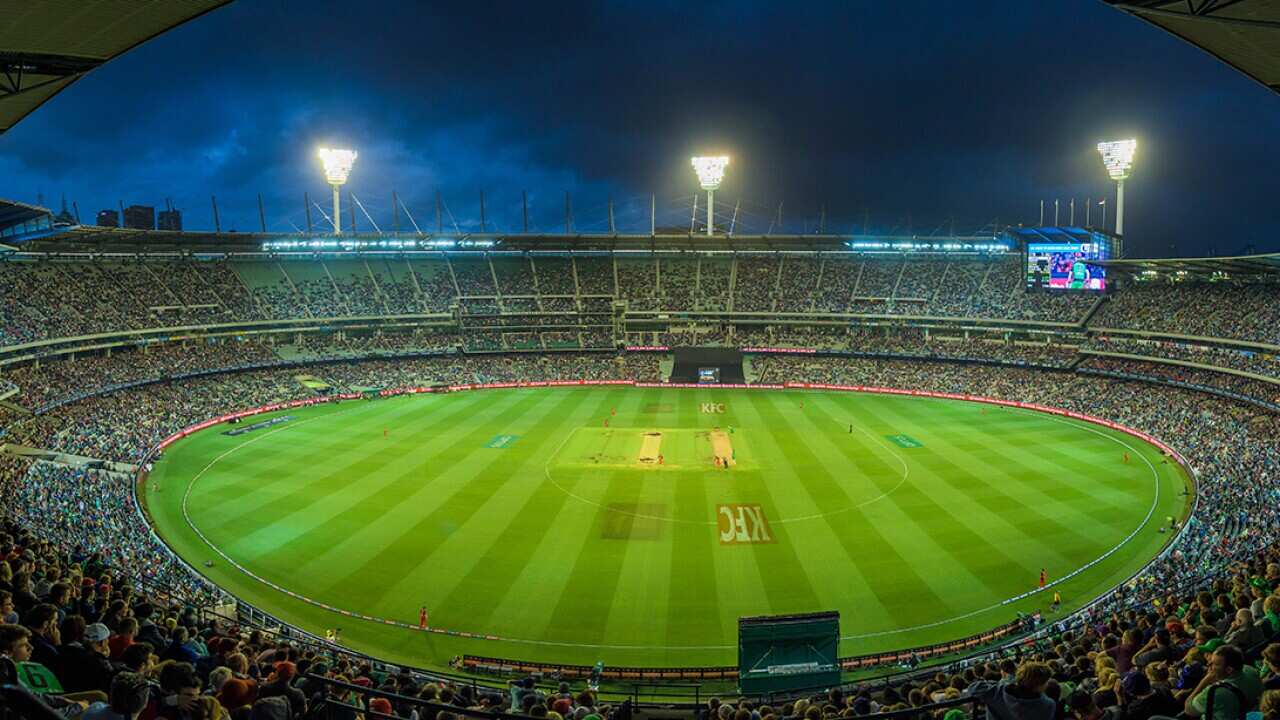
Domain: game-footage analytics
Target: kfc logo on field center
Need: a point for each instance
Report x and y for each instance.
(742, 524)
(713, 408)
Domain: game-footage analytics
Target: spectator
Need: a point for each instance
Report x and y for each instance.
(1226, 667)
(130, 694)
(1019, 698)
(85, 665)
(42, 621)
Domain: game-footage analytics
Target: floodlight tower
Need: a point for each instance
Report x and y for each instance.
(337, 167)
(710, 172)
(1117, 157)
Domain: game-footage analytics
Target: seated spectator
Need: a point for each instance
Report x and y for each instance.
(1019, 698)
(179, 692)
(1139, 700)
(1080, 706)
(129, 697)
(1226, 666)
(1158, 649)
(84, 664)
(123, 638)
(1244, 633)
(15, 647)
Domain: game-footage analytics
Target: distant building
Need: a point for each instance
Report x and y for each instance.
(140, 217)
(108, 218)
(170, 220)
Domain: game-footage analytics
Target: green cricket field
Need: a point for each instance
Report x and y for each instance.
(636, 525)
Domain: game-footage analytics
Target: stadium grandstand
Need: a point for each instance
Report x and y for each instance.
(438, 470)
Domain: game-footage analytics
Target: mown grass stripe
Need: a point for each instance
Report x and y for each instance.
(331, 505)
(968, 550)
(473, 599)
(872, 553)
(1057, 539)
(373, 575)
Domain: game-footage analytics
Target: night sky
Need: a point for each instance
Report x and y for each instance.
(907, 115)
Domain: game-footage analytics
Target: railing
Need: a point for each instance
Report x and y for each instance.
(345, 697)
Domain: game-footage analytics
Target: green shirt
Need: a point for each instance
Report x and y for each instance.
(1225, 704)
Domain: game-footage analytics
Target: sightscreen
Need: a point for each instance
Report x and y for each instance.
(1063, 267)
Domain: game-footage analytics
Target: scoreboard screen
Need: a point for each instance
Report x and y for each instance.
(1063, 266)
(709, 375)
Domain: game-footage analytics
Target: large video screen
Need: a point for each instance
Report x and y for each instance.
(1062, 266)
(708, 374)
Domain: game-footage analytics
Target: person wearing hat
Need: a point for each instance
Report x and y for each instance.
(86, 665)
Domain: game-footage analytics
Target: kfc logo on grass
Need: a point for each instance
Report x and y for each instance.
(713, 408)
(740, 524)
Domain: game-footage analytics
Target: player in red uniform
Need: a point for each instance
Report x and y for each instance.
(422, 618)
(1043, 577)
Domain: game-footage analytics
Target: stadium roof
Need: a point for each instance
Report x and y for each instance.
(1238, 266)
(21, 222)
(45, 45)
(1245, 34)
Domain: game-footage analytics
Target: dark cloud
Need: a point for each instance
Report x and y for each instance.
(912, 113)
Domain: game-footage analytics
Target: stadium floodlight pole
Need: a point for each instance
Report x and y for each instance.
(337, 168)
(710, 170)
(1117, 157)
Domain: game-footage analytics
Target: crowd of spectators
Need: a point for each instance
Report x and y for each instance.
(74, 541)
(110, 646)
(122, 425)
(1146, 650)
(1252, 361)
(1248, 387)
(1248, 311)
(53, 299)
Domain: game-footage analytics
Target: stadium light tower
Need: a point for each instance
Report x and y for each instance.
(1117, 157)
(710, 172)
(337, 167)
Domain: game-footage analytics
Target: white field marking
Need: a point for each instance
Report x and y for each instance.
(677, 648)
(546, 469)
(1082, 425)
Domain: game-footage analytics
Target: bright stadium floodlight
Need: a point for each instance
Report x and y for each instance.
(337, 167)
(710, 172)
(1117, 157)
